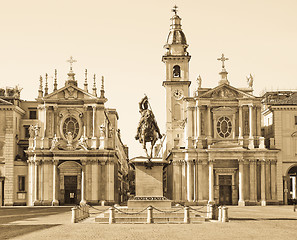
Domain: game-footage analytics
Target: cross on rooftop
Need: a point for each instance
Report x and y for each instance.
(223, 59)
(71, 61)
(174, 9)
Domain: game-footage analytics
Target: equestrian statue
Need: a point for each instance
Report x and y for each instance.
(147, 130)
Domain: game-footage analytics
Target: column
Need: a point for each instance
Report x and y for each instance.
(211, 182)
(200, 180)
(240, 122)
(258, 109)
(94, 139)
(263, 183)
(41, 181)
(110, 185)
(1, 182)
(56, 120)
(83, 179)
(253, 181)
(241, 183)
(95, 181)
(55, 201)
(36, 182)
(177, 180)
(184, 180)
(268, 180)
(273, 179)
(190, 181)
(198, 118)
(208, 125)
(31, 175)
(189, 131)
(251, 137)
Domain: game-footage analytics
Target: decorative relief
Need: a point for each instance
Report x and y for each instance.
(70, 92)
(223, 93)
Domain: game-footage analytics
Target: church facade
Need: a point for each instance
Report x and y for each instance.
(63, 148)
(213, 139)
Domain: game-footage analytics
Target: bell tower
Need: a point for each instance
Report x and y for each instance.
(176, 59)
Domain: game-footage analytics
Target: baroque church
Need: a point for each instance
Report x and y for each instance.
(63, 148)
(214, 139)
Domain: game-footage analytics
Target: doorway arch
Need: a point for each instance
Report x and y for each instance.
(70, 182)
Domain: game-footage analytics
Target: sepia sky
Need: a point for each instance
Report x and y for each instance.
(123, 40)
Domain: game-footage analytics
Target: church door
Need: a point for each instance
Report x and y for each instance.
(225, 183)
(70, 185)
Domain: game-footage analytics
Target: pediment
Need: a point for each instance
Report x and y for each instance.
(4, 102)
(225, 91)
(70, 92)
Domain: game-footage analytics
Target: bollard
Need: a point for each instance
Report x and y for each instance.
(88, 211)
(209, 211)
(186, 215)
(225, 217)
(111, 215)
(220, 213)
(102, 203)
(74, 215)
(150, 214)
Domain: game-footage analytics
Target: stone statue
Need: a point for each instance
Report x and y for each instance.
(69, 138)
(199, 81)
(250, 81)
(34, 131)
(31, 131)
(55, 142)
(147, 130)
(102, 131)
(82, 142)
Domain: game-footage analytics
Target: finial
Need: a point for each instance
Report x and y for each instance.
(174, 9)
(40, 83)
(102, 83)
(223, 59)
(223, 73)
(40, 91)
(94, 86)
(55, 81)
(71, 61)
(102, 88)
(46, 85)
(86, 80)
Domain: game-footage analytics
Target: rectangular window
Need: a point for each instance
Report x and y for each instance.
(295, 120)
(33, 114)
(27, 134)
(21, 183)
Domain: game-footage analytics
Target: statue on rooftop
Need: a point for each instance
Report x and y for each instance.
(147, 130)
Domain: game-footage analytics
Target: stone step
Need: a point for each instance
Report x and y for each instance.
(155, 214)
(144, 220)
(138, 219)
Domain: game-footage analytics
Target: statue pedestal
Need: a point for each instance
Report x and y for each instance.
(149, 183)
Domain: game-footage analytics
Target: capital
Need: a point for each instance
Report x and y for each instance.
(55, 162)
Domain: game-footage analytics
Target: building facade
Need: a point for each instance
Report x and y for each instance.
(213, 139)
(63, 148)
(280, 131)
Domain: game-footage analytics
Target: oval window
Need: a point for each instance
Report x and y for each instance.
(224, 127)
(71, 125)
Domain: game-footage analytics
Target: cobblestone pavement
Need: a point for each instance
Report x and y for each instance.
(271, 222)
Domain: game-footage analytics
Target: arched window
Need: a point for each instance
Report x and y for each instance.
(176, 71)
